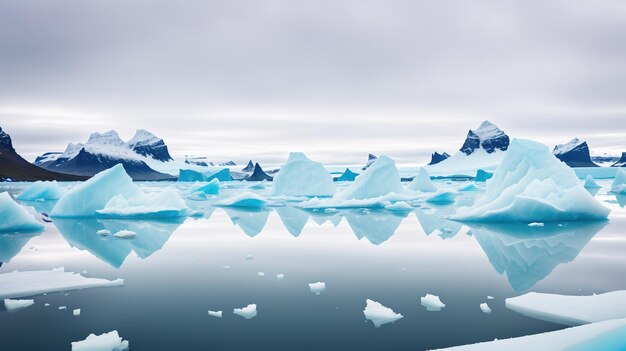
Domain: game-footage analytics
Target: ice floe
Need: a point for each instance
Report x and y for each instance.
(39, 191)
(442, 196)
(485, 308)
(619, 183)
(217, 314)
(164, 204)
(125, 234)
(245, 199)
(299, 176)
(210, 188)
(103, 232)
(531, 185)
(432, 302)
(28, 283)
(15, 218)
(14, 305)
(247, 312)
(379, 314)
(590, 183)
(110, 341)
(422, 182)
(76, 312)
(317, 288)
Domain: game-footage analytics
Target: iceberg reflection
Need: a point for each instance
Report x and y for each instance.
(376, 226)
(11, 244)
(251, 221)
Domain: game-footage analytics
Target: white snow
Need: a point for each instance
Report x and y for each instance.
(14, 305)
(569, 146)
(619, 183)
(422, 182)
(532, 185)
(15, 218)
(380, 179)
(28, 283)
(103, 232)
(110, 341)
(432, 302)
(379, 314)
(217, 314)
(163, 204)
(485, 308)
(467, 165)
(247, 312)
(143, 137)
(570, 310)
(125, 234)
(41, 191)
(399, 206)
(590, 183)
(245, 199)
(300, 176)
(317, 288)
(76, 312)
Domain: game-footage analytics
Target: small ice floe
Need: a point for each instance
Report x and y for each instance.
(280, 276)
(103, 232)
(485, 308)
(247, 312)
(110, 341)
(76, 312)
(260, 274)
(249, 257)
(226, 267)
(442, 196)
(489, 297)
(46, 304)
(432, 302)
(317, 288)
(14, 305)
(399, 206)
(379, 314)
(217, 314)
(536, 224)
(331, 210)
(125, 234)
(63, 307)
(245, 199)
(468, 187)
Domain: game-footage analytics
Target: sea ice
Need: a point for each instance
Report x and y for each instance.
(125, 234)
(261, 274)
(204, 175)
(15, 218)
(399, 206)
(210, 188)
(217, 314)
(570, 310)
(245, 199)
(536, 224)
(422, 182)
(41, 191)
(76, 312)
(432, 302)
(62, 307)
(103, 232)
(317, 288)
(590, 183)
(379, 314)
(532, 185)
(619, 183)
(14, 305)
(247, 312)
(489, 297)
(485, 308)
(468, 187)
(442, 196)
(164, 204)
(28, 283)
(380, 179)
(110, 341)
(300, 176)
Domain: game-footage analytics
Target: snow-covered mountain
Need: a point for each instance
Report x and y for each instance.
(201, 161)
(149, 145)
(621, 162)
(437, 157)
(575, 153)
(483, 148)
(249, 167)
(258, 174)
(228, 164)
(47, 158)
(104, 150)
(371, 158)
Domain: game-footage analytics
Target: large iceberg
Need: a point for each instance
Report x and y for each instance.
(531, 185)
(381, 178)
(619, 183)
(300, 176)
(15, 218)
(422, 182)
(41, 191)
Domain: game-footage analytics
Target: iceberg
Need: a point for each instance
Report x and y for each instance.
(167, 203)
(245, 199)
(442, 196)
(399, 206)
(217, 314)
(531, 185)
(570, 310)
(485, 308)
(14, 305)
(317, 288)
(432, 302)
(28, 283)
(210, 188)
(300, 176)
(379, 314)
(619, 183)
(482, 176)
(422, 182)
(39, 191)
(379, 179)
(247, 312)
(125, 234)
(590, 183)
(12, 243)
(347, 176)
(15, 218)
(190, 175)
(76, 312)
(110, 341)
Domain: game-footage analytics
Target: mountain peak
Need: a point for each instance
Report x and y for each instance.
(107, 138)
(488, 137)
(149, 145)
(563, 148)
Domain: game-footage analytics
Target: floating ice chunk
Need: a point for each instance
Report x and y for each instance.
(469, 187)
(619, 183)
(422, 182)
(432, 302)
(18, 284)
(482, 176)
(317, 288)
(103, 232)
(84, 199)
(530, 185)
(485, 308)
(46, 304)
(570, 310)
(399, 206)
(14, 305)
(76, 312)
(41, 191)
(125, 234)
(210, 188)
(110, 341)
(261, 274)
(62, 307)
(608, 335)
(381, 178)
(442, 196)
(249, 257)
(217, 314)
(15, 218)
(489, 297)
(165, 204)
(536, 224)
(247, 312)
(245, 199)
(226, 267)
(280, 276)
(590, 183)
(379, 314)
(300, 176)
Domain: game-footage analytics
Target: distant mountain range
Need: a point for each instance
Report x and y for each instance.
(574, 153)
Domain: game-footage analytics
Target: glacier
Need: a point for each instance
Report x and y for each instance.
(299, 176)
(110, 341)
(41, 191)
(422, 182)
(15, 218)
(379, 314)
(531, 185)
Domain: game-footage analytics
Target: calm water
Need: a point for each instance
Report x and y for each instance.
(174, 273)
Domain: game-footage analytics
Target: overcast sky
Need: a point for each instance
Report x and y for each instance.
(336, 79)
